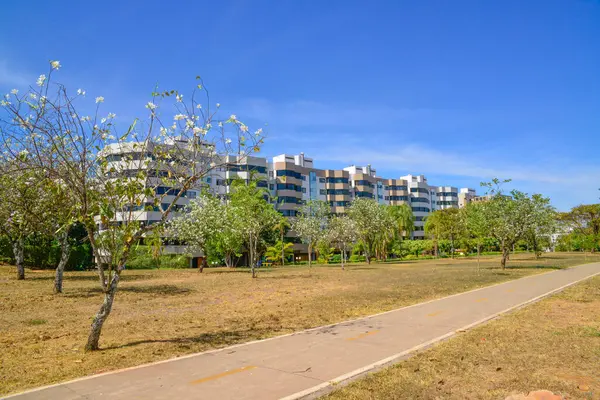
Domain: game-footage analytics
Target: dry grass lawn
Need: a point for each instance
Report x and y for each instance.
(163, 314)
(553, 345)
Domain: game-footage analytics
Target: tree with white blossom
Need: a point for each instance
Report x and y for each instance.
(342, 233)
(109, 195)
(310, 224)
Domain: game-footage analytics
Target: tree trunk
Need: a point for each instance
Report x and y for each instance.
(282, 251)
(451, 247)
(102, 315)
(203, 265)
(65, 251)
(18, 253)
(343, 257)
(309, 254)
(505, 253)
(478, 254)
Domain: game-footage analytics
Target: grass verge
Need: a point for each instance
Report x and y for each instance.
(162, 314)
(552, 345)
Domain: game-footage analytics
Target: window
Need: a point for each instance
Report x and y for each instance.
(450, 194)
(398, 198)
(396, 187)
(336, 180)
(387, 198)
(364, 194)
(340, 192)
(303, 190)
(322, 192)
(288, 200)
(246, 167)
(420, 200)
(289, 186)
(419, 190)
(293, 174)
(363, 183)
(339, 203)
(448, 203)
(379, 196)
(421, 209)
(321, 180)
(271, 186)
(261, 184)
(288, 213)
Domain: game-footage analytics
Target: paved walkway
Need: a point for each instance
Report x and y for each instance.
(305, 363)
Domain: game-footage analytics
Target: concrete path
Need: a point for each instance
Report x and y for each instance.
(304, 364)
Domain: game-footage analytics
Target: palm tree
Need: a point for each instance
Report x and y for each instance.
(273, 252)
(282, 225)
(404, 219)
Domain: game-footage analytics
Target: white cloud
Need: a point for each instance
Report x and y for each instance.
(11, 78)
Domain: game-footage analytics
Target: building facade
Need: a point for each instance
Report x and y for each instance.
(292, 180)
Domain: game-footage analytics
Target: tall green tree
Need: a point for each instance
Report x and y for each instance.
(254, 216)
(476, 225)
(282, 226)
(543, 223)
(446, 224)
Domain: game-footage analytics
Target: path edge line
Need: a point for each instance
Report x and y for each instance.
(343, 380)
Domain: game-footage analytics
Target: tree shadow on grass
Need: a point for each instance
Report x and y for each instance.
(87, 278)
(154, 290)
(214, 339)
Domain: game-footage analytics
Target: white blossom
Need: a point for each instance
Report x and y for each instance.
(111, 137)
(258, 132)
(14, 91)
(199, 106)
(103, 120)
(233, 117)
(179, 117)
(218, 105)
(41, 80)
(163, 130)
(243, 128)
(33, 96)
(55, 64)
(4, 103)
(151, 106)
(227, 141)
(179, 98)
(81, 92)
(111, 115)
(99, 99)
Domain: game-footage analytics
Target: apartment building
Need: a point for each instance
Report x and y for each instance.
(293, 180)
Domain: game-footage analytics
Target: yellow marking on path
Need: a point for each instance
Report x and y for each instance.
(481, 300)
(362, 335)
(222, 374)
(434, 314)
(510, 290)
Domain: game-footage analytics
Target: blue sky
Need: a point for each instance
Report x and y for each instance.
(461, 91)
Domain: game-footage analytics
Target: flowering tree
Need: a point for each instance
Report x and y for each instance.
(116, 174)
(21, 213)
(370, 220)
(200, 225)
(311, 224)
(342, 233)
